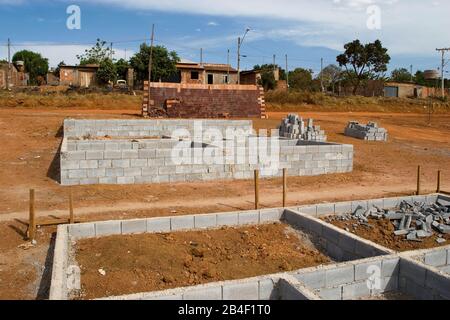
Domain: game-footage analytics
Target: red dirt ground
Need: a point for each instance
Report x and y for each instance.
(30, 138)
(153, 262)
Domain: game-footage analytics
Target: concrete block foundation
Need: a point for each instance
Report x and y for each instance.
(362, 269)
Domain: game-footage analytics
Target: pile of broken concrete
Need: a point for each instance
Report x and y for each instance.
(415, 220)
(294, 127)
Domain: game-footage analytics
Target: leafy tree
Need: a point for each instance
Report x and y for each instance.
(57, 70)
(98, 53)
(401, 75)
(363, 61)
(106, 72)
(122, 68)
(300, 79)
(163, 64)
(35, 65)
(330, 75)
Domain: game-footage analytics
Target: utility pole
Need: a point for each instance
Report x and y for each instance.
(228, 66)
(9, 64)
(321, 74)
(239, 54)
(150, 65)
(201, 56)
(442, 51)
(111, 51)
(411, 71)
(239, 60)
(287, 73)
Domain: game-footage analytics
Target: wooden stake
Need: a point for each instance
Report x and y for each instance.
(419, 170)
(256, 189)
(438, 182)
(32, 220)
(284, 187)
(71, 218)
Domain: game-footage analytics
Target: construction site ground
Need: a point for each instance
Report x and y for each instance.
(153, 262)
(382, 232)
(30, 139)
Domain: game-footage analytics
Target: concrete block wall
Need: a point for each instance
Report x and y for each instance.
(346, 281)
(438, 258)
(338, 244)
(122, 161)
(403, 272)
(146, 128)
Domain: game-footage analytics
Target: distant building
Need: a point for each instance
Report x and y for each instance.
(79, 76)
(205, 73)
(409, 90)
(17, 77)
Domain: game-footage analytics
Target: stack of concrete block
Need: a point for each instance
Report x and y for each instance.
(293, 127)
(369, 132)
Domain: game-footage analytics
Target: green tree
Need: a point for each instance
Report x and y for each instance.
(401, 75)
(57, 70)
(300, 79)
(106, 72)
(97, 54)
(35, 65)
(163, 63)
(122, 68)
(330, 75)
(363, 61)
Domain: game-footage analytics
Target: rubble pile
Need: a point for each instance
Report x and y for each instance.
(370, 131)
(415, 220)
(293, 127)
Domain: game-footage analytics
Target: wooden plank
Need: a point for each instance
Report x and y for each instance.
(71, 217)
(284, 187)
(256, 189)
(32, 218)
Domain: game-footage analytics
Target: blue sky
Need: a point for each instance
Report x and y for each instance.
(305, 30)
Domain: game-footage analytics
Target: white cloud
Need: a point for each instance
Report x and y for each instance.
(57, 53)
(408, 26)
(213, 24)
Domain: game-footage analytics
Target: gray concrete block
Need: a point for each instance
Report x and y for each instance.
(390, 267)
(158, 225)
(309, 210)
(389, 284)
(355, 290)
(269, 215)
(125, 180)
(412, 271)
(204, 293)
(205, 221)
(134, 226)
(363, 270)
(438, 282)
(121, 163)
(266, 288)
(331, 233)
(331, 294)
(251, 217)
(227, 219)
(347, 243)
(107, 228)
(113, 154)
(94, 155)
(340, 275)
(314, 280)
(241, 291)
(325, 209)
(356, 204)
(334, 251)
(436, 258)
(182, 223)
(81, 231)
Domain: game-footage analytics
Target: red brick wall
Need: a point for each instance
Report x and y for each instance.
(206, 101)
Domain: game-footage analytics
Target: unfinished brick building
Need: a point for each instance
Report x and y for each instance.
(175, 100)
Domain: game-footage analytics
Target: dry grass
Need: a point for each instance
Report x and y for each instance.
(315, 101)
(64, 100)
